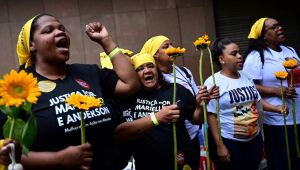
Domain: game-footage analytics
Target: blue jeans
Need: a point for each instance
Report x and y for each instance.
(276, 149)
(243, 155)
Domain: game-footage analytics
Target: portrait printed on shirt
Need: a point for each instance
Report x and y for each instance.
(245, 113)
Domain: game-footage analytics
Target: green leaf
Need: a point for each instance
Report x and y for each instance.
(17, 132)
(29, 133)
(25, 150)
(6, 110)
(13, 112)
(27, 107)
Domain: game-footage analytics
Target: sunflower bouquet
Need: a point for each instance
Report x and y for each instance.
(291, 64)
(18, 91)
(173, 53)
(83, 103)
(282, 75)
(201, 44)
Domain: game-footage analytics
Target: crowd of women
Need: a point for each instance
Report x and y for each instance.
(138, 103)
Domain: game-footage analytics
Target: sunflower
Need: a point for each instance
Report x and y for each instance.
(281, 75)
(290, 64)
(16, 88)
(202, 42)
(175, 51)
(84, 102)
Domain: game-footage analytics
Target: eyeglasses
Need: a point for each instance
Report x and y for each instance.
(274, 27)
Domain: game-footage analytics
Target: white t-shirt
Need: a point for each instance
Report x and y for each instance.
(237, 104)
(255, 70)
(188, 83)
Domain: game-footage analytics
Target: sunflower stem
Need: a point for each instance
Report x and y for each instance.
(294, 118)
(204, 110)
(285, 128)
(82, 128)
(174, 124)
(12, 127)
(217, 100)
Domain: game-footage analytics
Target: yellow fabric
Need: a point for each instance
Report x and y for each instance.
(152, 45)
(2, 167)
(142, 58)
(105, 61)
(23, 47)
(257, 28)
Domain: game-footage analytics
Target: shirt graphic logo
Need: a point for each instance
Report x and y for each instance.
(245, 120)
(83, 84)
(46, 86)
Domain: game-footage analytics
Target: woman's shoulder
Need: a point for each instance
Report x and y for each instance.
(209, 80)
(288, 49)
(244, 76)
(253, 54)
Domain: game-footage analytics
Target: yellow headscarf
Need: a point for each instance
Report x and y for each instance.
(152, 45)
(105, 61)
(256, 28)
(23, 46)
(142, 58)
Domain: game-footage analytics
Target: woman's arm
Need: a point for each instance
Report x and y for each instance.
(128, 81)
(134, 129)
(288, 92)
(222, 151)
(271, 108)
(73, 157)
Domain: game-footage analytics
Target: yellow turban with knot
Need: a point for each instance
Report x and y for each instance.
(142, 58)
(152, 45)
(105, 61)
(23, 44)
(256, 28)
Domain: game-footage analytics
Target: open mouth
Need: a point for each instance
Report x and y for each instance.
(148, 78)
(63, 44)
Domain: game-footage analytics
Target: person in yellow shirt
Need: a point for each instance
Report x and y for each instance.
(105, 61)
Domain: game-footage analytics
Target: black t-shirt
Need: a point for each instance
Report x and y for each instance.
(59, 124)
(154, 150)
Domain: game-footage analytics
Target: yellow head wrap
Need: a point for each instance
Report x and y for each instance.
(142, 58)
(256, 28)
(152, 45)
(105, 60)
(23, 46)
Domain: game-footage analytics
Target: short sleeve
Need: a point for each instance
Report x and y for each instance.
(294, 51)
(252, 82)
(127, 106)
(253, 66)
(117, 117)
(108, 80)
